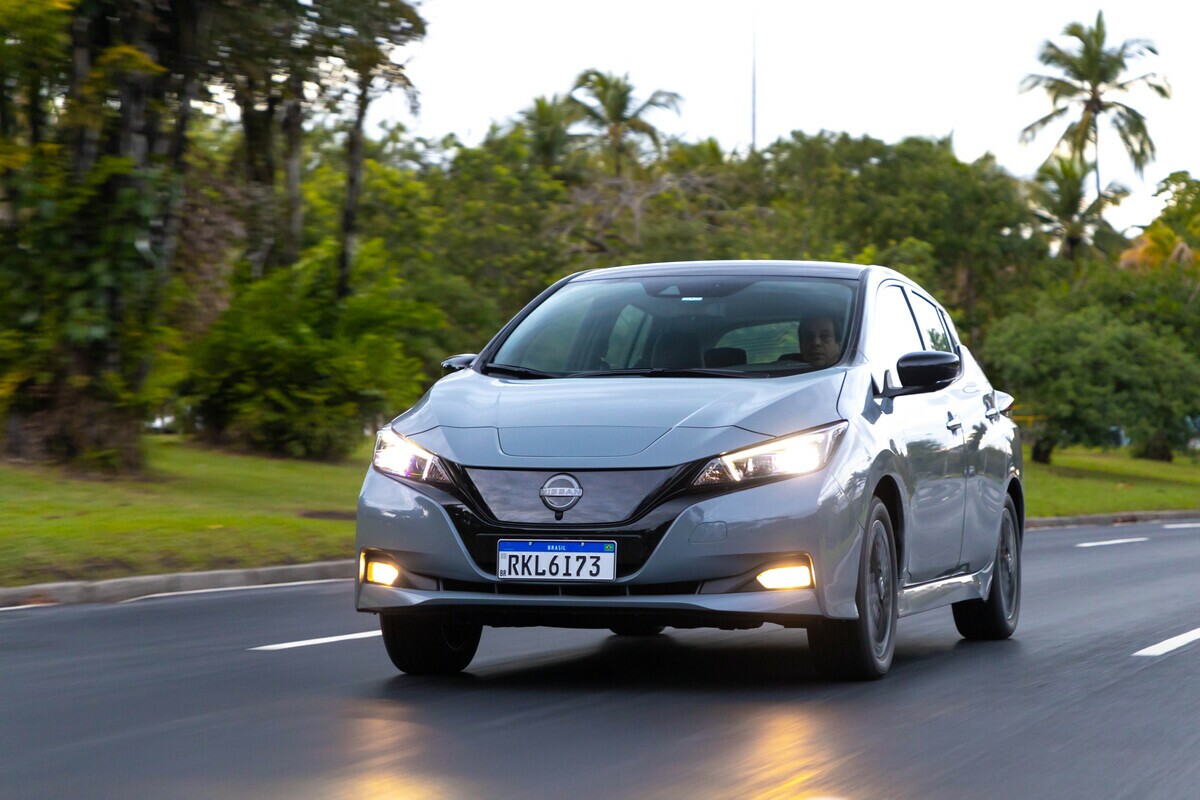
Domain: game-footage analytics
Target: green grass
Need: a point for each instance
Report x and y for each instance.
(1093, 482)
(206, 509)
(197, 509)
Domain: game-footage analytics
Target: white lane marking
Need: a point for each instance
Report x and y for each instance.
(235, 588)
(30, 605)
(1174, 643)
(1112, 541)
(325, 640)
(1177, 525)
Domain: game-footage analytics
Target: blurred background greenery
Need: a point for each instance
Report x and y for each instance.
(280, 279)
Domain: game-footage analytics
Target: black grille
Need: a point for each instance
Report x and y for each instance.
(573, 589)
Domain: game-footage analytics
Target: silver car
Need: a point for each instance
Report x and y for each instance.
(708, 444)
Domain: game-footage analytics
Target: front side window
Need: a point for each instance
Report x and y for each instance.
(893, 333)
(933, 330)
(754, 326)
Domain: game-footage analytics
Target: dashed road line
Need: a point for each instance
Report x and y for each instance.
(1174, 643)
(1113, 541)
(1178, 525)
(324, 640)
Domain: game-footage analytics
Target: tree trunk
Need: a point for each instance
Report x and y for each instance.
(37, 114)
(193, 34)
(354, 160)
(86, 137)
(1157, 448)
(8, 206)
(258, 132)
(293, 128)
(1042, 447)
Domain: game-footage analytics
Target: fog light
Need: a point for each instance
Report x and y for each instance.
(786, 578)
(382, 572)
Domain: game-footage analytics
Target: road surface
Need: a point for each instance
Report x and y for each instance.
(168, 697)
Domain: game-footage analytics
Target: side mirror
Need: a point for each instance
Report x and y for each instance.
(457, 363)
(921, 372)
(1004, 402)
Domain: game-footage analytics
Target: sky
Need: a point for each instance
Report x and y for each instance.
(883, 69)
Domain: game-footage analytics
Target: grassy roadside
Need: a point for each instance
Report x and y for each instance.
(1095, 482)
(203, 509)
(199, 509)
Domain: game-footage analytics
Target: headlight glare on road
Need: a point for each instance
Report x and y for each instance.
(396, 455)
(791, 455)
(382, 572)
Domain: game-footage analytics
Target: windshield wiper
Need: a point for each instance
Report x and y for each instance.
(517, 372)
(665, 372)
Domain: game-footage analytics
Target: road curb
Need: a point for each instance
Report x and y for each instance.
(117, 589)
(1109, 519)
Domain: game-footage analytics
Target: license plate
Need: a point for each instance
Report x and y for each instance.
(556, 560)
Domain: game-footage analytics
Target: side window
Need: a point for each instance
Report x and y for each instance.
(627, 339)
(893, 332)
(763, 343)
(930, 322)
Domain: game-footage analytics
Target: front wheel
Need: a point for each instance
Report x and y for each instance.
(429, 646)
(996, 617)
(861, 649)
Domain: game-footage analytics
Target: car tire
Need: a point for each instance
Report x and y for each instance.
(862, 649)
(996, 617)
(429, 646)
(637, 629)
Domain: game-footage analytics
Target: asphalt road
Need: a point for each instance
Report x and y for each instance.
(164, 698)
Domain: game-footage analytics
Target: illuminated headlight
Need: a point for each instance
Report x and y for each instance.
(396, 455)
(792, 455)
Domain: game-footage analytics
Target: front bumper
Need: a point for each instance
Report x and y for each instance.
(699, 574)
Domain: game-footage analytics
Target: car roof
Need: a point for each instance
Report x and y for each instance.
(805, 269)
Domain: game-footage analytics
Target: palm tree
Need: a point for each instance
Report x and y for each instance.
(607, 104)
(1059, 200)
(547, 123)
(1090, 75)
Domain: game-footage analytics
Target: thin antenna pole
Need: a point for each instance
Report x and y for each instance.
(754, 89)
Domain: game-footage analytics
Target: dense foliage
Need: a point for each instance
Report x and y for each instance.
(286, 279)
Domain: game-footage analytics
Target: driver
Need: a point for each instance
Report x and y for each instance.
(818, 342)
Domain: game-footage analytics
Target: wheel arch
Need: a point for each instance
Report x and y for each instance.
(1017, 492)
(888, 491)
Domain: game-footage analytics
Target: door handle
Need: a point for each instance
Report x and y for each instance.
(952, 422)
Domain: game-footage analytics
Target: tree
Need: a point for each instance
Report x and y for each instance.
(606, 102)
(1091, 75)
(1059, 198)
(84, 288)
(1086, 372)
(365, 39)
(548, 125)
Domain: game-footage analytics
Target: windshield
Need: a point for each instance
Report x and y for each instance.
(683, 325)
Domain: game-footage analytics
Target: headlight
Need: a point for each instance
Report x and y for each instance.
(396, 455)
(792, 455)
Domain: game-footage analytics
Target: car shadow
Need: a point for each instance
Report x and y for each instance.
(668, 663)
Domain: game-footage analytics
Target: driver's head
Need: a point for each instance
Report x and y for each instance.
(818, 342)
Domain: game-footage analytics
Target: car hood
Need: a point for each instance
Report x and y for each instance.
(629, 422)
